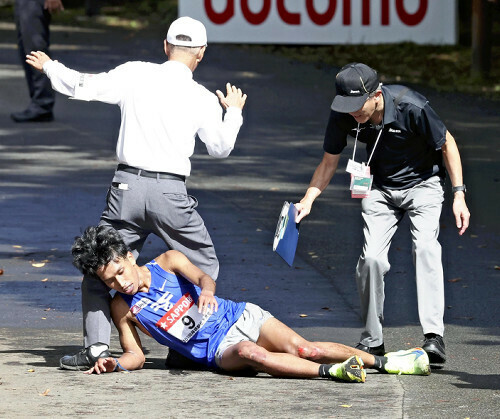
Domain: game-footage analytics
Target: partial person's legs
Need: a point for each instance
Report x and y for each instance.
(32, 23)
(121, 205)
(424, 209)
(381, 217)
(173, 217)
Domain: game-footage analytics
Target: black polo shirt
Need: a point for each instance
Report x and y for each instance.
(409, 149)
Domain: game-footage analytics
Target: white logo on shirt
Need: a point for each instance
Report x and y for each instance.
(397, 131)
(163, 302)
(354, 91)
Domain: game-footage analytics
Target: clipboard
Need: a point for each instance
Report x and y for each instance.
(286, 236)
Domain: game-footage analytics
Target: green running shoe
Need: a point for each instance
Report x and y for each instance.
(349, 370)
(413, 362)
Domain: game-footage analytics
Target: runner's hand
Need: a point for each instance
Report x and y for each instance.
(207, 303)
(102, 365)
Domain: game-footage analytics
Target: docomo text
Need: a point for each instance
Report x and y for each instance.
(326, 21)
(406, 16)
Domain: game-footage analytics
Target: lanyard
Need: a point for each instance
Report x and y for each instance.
(373, 150)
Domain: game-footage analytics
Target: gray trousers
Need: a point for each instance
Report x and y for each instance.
(145, 206)
(382, 211)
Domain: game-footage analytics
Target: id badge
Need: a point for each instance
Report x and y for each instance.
(355, 168)
(361, 185)
(182, 321)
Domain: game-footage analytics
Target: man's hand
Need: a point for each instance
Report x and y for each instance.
(37, 59)
(53, 6)
(103, 365)
(234, 97)
(303, 211)
(461, 212)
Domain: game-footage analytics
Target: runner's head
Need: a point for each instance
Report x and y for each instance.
(96, 248)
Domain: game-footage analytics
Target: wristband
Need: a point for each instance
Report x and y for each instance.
(460, 188)
(118, 365)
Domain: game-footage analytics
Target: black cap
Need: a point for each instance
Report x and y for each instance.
(354, 83)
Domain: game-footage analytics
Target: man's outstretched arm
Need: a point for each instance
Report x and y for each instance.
(103, 87)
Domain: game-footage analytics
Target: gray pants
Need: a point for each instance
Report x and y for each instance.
(145, 206)
(382, 212)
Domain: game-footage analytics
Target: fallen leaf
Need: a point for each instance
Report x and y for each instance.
(47, 309)
(44, 318)
(17, 246)
(31, 370)
(454, 280)
(474, 236)
(346, 405)
(44, 280)
(259, 229)
(302, 315)
(497, 267)
(244, 289)
(45, 393)
(325, 308)
(266, 288)
(1, 271)
(38, 265)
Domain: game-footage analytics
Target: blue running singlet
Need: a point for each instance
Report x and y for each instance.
(168, 311)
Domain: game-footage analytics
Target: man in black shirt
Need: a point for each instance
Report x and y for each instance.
(406, 145)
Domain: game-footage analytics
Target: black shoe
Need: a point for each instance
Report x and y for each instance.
(86, 358)
(376, 350)
(31, 116)
(434, 346)
(177, 361)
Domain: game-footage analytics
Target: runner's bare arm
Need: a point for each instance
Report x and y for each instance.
(133, 357)
(178, 263)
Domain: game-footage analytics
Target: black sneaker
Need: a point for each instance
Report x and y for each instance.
(375, 350)
(86, 358)
(434, 346)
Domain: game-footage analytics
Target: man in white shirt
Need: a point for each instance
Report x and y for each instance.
(162, 110)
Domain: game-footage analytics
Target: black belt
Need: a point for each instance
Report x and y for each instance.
(147, 173)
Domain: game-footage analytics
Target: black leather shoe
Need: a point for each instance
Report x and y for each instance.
(30, 116)
(434, 346)
(376, 350)
(86, 358)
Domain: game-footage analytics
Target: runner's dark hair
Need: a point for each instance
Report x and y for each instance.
(96, 247)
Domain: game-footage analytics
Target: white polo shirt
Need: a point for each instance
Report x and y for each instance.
(162, 110)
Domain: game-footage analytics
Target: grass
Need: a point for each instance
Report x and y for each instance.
(445, 68)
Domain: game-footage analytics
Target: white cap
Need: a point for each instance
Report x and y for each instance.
(188, 27)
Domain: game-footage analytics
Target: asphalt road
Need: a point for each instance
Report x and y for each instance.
(53, 181)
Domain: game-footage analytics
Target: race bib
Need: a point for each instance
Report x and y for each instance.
(182, 321)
